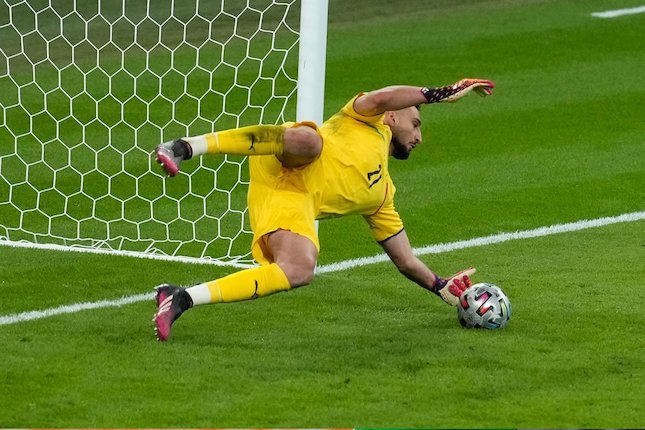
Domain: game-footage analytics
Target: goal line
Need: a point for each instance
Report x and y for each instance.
(344, 265)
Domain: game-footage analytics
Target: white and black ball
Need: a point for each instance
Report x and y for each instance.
(484, 306)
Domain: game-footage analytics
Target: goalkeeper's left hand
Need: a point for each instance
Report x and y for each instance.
(452, 93)
(450, 289)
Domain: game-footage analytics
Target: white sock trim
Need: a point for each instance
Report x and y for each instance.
(199, 145)
(200, 294)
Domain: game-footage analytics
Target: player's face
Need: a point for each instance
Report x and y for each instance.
(406, 132)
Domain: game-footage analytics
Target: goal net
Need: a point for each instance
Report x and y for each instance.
(89, 88)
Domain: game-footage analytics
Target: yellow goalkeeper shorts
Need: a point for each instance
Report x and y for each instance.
(281, 198)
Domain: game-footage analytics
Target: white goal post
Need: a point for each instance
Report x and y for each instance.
(89, 88)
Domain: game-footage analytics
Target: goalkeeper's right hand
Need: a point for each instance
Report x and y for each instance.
(452, 93)
(450, 289)
(171, 154)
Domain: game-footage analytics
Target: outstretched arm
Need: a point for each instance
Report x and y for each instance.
(402, 96)
(400, 252)
(388, 99)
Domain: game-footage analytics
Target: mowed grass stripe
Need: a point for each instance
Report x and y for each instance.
(347, 264)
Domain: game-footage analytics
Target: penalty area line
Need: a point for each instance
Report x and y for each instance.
(74, 308)
(619, 12)
(357, 262)
(490, 240)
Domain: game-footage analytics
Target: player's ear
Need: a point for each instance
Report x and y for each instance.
(390, 117)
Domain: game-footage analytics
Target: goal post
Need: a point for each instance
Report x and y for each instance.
(311, 60)
(89, 88)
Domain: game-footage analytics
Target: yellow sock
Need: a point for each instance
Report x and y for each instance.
(248, 284)
(252, 140)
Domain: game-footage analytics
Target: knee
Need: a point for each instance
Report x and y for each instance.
(300, 272)
(303, 141)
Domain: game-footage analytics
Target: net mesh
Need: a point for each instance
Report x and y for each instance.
(89, 88)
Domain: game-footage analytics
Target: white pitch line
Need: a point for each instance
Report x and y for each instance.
(76, 307)
(348, 264)
(489, 240)
(619, 12)
(101, 251)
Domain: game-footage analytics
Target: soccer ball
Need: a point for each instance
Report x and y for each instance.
(484, 306)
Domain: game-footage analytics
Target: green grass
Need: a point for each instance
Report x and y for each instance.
(561, 140)
(358, 348)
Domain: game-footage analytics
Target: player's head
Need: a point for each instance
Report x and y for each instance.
(406, 131)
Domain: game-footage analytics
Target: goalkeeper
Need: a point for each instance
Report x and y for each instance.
(300, 172)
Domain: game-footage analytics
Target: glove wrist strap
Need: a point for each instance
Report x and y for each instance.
(437, 95)
(438, 284)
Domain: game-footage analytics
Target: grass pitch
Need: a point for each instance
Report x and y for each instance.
(561, 140)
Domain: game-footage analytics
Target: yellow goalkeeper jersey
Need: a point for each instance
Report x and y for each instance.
(350, 177)
(355, 163)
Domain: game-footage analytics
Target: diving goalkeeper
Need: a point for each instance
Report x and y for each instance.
(300, 172)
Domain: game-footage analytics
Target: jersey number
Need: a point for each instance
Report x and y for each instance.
(376, 173)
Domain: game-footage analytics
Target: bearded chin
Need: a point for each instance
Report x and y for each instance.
(400, 152)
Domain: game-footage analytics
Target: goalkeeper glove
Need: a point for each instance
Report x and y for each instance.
(171, 154)
(450, 289)
(452, 93)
